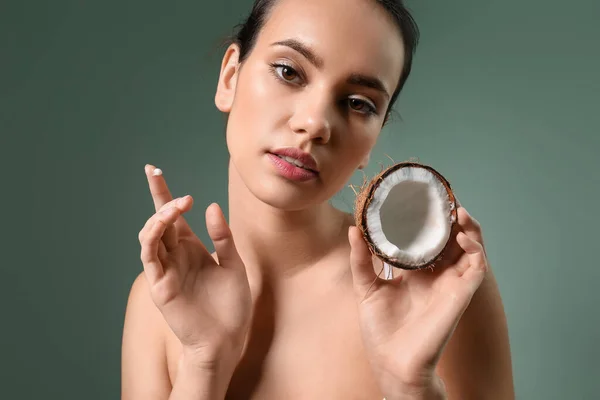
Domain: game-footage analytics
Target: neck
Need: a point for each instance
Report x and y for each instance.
(276, 243)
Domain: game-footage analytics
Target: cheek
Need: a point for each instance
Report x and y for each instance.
(351, 150)
(246, 119)
(257, 107)
(356, 147)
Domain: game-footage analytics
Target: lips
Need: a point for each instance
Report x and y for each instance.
(290, 171)
(298, 158)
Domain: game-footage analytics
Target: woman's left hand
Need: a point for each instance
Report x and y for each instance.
(407, 321)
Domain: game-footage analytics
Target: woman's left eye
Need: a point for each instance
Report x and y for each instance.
(362, 105)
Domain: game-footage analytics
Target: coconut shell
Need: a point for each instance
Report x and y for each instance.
(365, 196)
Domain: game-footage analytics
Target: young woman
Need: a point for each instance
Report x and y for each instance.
(289, 306)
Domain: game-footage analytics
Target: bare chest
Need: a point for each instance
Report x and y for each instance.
(307, 346)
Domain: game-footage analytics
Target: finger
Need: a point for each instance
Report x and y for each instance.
(150, 241)
(171, 236)
(361, 264)
(477, 260)
(158, 186)
(222, 239)
(183, 203)
(469, 225)
(162, 251)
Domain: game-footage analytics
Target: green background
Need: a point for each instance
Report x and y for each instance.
(503, 101)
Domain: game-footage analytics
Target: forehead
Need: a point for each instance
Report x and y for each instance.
(353, 36)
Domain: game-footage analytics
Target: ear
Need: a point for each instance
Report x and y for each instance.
(228, 79)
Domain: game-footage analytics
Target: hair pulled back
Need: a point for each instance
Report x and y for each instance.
(246, 34)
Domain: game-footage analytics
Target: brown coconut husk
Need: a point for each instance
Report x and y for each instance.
(365, 196)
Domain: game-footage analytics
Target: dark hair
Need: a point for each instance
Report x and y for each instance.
(247, 33)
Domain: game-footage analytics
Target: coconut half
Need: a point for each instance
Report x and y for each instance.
(406, 215)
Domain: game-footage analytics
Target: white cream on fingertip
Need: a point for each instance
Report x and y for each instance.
(157, 172)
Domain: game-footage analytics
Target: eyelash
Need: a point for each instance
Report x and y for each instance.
(275, 67)
(372, 110)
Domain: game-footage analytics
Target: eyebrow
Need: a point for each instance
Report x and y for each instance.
(302, 49)
(354, 79)
(368, 81)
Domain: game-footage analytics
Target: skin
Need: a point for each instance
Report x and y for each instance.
(291, 307)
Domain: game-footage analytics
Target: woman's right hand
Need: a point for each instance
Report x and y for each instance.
(206, 303)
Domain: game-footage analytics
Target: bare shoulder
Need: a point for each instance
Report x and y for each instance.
(477, 360)
(141, 308)
(143, 354)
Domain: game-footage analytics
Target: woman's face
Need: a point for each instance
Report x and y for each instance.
(318, 80)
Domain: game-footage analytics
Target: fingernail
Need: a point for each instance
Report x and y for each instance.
(157, 172)
(182, 200)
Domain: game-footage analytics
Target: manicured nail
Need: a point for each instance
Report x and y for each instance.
(157, 172)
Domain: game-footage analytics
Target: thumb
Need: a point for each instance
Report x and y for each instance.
(221, 236)
(361, 263)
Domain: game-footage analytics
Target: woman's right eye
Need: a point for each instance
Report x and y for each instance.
(285, 72)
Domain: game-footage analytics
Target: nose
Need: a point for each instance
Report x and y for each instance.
(313, 117)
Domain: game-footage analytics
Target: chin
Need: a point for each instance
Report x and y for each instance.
(287, 196)
(263, 183)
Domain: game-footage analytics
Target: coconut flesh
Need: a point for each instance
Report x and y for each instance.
(406, 215)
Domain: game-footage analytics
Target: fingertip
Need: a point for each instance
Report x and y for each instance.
(461, 238)
(468, 244)
(466, 220)
(152, 170)
(351, 233)
(354, 234)
(353, 238)
(221, 236)
(216, 222)
(186, 203)
(359, 250)
(361, 263)
(213, 211)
